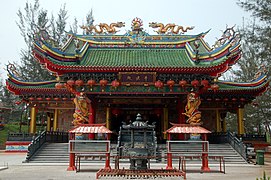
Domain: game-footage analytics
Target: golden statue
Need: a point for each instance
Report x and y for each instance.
(103, 28)
(81, 109)
(169, 28)
(191, 109)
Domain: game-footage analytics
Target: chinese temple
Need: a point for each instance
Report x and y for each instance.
(137, 72)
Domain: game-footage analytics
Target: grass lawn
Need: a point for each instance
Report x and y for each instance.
(9, 128)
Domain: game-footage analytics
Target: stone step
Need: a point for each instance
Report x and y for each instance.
(58, 153)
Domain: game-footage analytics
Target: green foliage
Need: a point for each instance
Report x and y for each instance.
(10, 128)
(31, 20)
(7, 100)
(89, 20)
(34, 21)
(256, 57)
(74, 27)
(264, 177)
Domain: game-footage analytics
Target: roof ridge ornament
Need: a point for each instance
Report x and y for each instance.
(170, 28)
(104, 28)
(137, 24)
(12, 70)
(137, 35)
(229, 35)
(261, 71)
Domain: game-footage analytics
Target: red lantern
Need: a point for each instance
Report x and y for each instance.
(58, 85)
(159, 84)
(205, 83)
(234, 99)
(214, 87)
(31, 98)
(79, 82)
(226, 99)
(158, 112)
(103, 83)
(195, 83)
(64, 99)
(242, 99)
(115, 83)
(56, 98)
(170, 84)
(116, 111)
(91, 83)
(18, 102)
(39, 98)
(255, 104)
(70, 82)
(48, 99)
(182, 83)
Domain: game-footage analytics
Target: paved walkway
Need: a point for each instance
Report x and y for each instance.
(16, 170)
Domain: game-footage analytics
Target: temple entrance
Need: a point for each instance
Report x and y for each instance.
(128, 115)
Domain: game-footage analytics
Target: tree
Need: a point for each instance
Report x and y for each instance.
(256, 47)
(32, 22)
(58, 27)
(89, 20)
(74, 27)
(29, 23)
(8, 100)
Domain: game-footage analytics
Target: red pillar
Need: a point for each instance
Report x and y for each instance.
(169, 156)
(72, 155)
(205, 166)
(107, 161)
(91, 118)
(181, 117)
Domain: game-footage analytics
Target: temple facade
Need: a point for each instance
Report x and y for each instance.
(123, 75)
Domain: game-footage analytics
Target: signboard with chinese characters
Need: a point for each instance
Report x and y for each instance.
(137, 78)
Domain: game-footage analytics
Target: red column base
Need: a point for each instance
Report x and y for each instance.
(107, 167)
(169, 167)
(72, 168)
(205, 169)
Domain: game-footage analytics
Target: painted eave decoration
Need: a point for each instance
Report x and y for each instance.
(90, 128)
(169, 51)
(186, 129)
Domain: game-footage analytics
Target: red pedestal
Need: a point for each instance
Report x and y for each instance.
(169, 155)
(72, 163)
(205, 165)
(169, 161)
(107, 161)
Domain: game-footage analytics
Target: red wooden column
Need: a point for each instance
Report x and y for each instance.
(205, 166)
(91, 118)
(169, 155)
(107, 161)
(72, 155)
(181, 117)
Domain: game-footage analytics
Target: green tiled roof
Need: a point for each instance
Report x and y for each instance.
(102, 57)
(71, 47)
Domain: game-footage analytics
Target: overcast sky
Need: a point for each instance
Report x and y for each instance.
(203, 14)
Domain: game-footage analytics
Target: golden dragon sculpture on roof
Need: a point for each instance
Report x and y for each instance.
(103, 28)
(169, 28)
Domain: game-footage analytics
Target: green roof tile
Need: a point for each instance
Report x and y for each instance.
(155, 58)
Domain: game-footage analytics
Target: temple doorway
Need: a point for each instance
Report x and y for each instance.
(128, 115)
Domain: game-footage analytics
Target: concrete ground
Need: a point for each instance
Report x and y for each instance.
(12, 168)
